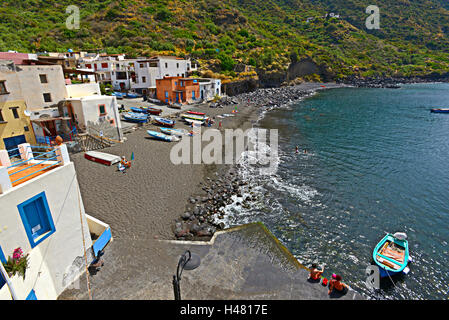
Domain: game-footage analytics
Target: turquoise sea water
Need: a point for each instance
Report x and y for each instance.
(377, 162)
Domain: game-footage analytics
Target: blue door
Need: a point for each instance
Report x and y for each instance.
(12, 143)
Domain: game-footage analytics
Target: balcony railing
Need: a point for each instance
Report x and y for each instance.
(33, 166)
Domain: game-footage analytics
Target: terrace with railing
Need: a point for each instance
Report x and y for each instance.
(29, 162)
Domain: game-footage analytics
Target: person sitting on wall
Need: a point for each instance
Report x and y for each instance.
(315, 273)
(336, 284)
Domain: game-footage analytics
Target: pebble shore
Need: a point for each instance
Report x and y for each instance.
(197, 221)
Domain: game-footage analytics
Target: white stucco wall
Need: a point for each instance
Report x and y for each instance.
(81, 90)
(32, 88)
(58, 258)
(87, 113)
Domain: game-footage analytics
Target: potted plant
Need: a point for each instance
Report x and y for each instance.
(18, 264)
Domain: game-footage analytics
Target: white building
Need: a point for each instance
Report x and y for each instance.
(97, 115)
(209, 88)
(138, 75)
(147, 71)
(111, 69)
(49, 99)
(42, 213)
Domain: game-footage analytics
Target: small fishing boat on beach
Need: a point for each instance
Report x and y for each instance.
(174, 132)
(164, 122)
(131, 95)
(196, 113)
(138, 110)
(101, 157)
(154, 111)
(193, 117)
(194, 122)
(162, 136)
(118, 95)
(439, 110)
(391, 255)
(135, 117)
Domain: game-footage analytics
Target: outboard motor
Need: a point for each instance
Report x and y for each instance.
(400, 236)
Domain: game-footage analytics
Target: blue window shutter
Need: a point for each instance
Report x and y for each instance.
(36, 219)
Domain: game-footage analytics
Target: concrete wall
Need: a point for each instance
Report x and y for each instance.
(58, 260)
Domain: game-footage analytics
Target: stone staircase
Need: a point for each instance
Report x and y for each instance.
(89, 142)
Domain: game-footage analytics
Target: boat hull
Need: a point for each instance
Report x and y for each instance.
(439, 110)
(101, 157)
(195, 122)
(135, 117)
(193, 117)
(391, 262)
(154, 111)
(164, 122)
(196, 113)
(161, 136)
(175, 132)
(138, 110)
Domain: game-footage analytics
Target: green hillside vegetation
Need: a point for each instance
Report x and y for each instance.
(413, 39)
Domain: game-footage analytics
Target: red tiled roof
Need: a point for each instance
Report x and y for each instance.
(17, 57)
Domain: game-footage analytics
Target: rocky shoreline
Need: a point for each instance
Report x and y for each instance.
(198, 222)
(390, 82)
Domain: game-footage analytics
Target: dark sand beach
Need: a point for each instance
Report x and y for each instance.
(145, 203)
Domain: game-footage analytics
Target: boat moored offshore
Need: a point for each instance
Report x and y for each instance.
(391, 254)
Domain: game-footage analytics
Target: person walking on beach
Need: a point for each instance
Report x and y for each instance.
(335, 283)
(297, 149)
(315, 273)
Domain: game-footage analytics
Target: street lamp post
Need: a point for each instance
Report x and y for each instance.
(188, 261)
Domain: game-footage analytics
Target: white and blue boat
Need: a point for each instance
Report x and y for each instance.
(133, 95)
(162, 136)
(444, 110)
(391, 255)
(138, 110)
(118, 95)
(195, 117)
(135, 117)
(164, 122)
(194, 122)
(174, 132)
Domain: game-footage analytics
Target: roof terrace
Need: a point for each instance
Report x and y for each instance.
(27, 162)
